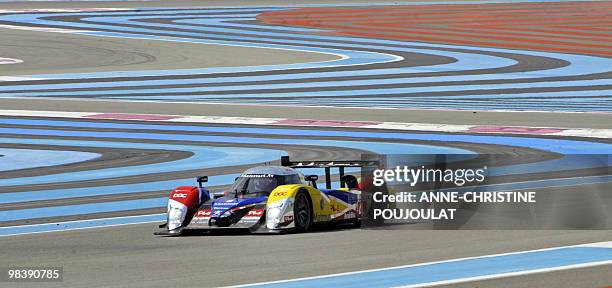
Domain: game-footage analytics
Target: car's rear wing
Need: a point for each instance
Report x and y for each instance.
(285, 161)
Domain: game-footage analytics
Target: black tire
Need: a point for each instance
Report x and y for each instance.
(302, 212)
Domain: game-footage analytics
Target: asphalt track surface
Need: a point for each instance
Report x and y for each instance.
(69, 53)
(128, 170)
(112, 257)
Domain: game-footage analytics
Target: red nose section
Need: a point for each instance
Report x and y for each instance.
(187, 195)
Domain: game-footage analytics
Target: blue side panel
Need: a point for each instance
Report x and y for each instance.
(219, 206)
(345, 196)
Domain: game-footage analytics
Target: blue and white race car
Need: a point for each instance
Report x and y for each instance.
(268, 199)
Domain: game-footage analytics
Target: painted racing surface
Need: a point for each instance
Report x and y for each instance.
(469, 56)
(161, 156)
(62, 171)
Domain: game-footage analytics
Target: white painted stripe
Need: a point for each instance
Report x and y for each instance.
(43, 113)
(597, 244)
(309, 106)
(427, 127)
(60, 10)
(7, 61)
(227, 120)
(421, 127)
(41, 29)
(123, 218)
(590, 133)
(12, 78)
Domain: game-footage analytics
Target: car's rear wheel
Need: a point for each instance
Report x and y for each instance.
(302, 212)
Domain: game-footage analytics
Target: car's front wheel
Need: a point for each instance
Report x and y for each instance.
(302, 212)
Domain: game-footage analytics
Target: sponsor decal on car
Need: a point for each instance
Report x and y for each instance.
(203, 213)
(335, 207)
(254, 214)
(257, 175)
(280, 193)
(229, 203)
(350, 215)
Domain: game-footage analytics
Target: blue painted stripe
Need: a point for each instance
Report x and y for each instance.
(327, 84)
(54, 227)
(216, 180)
(562, 146)
(587, 108)
(221, 22)
(203, 157)
(335, 39)
(456, 270)
(579, 101)
(14, 159)
(376, 147)
(379, 147)
(568, 162)
(64, 193)
(70, 210)
(317, 93)
(531, 75)
(331, 39)
(17, 197)
(595, 106)
(584, 95)
(54, 194)
(468, 59)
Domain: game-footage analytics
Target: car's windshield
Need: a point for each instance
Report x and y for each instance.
(252, 185)
(255, 185)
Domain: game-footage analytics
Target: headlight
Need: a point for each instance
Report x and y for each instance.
(176, 214)
(274, 214)
(275, 211)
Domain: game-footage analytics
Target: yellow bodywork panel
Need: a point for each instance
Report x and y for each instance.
(323, 208)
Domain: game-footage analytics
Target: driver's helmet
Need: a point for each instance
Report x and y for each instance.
(351, 182)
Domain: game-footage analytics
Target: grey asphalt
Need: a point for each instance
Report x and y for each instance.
(44, 52)
(130, 256)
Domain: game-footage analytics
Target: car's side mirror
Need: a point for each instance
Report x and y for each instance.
(313, 180)
(202, 179)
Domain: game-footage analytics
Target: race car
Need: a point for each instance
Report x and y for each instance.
(267, 199)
